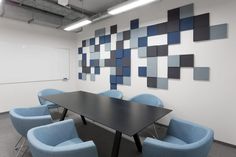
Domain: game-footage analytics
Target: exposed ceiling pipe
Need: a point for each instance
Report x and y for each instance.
(2, 9)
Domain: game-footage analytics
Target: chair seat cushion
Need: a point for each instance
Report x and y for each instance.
(174, 140)
(70, 142)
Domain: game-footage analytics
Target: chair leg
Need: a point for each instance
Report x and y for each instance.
(16, 146)
(22, 145)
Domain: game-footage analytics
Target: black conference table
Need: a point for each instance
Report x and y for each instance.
(123, 116)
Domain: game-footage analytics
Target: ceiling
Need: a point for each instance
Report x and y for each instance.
(50, 13)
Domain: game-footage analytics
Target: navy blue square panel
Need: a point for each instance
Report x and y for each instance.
(107, 38)
(92, 41)
(97, 70)
(119, 63)
(113, 86)
(80, 76)
(92, 63)
(80, 50)
(126, 71)
(186, 24)
(119, 80)
(174, 38)
(119, 53)
(112, 79)
(142, 42)
(102, 40)
(142, 71)
(113, 29)
(84, 43)
(152, 30)
(84, 57)
(134, 24)
(127, 53)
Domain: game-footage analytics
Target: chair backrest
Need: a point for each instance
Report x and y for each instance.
(47, 92)
(113, 94)
(147, 99)
(23, 119)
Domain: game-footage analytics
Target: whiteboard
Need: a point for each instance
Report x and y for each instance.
(26, 63)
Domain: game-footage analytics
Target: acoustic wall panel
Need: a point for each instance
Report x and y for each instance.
(152, 42)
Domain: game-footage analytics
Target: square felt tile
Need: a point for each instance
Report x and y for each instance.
(80, 76)
(127, 81)
(97, 48)
(186, 24)
(142, 71)
(174, 61)
(142, 42)
(201, 34)
(126, 44)
(142, 32)
(102, 62)
(152, 30)
(119, 45)
(152, 82)
(174, 14)
(92, 77)
(142, 52)
(113, 71)
(162, 83)
(113, 86)
(84, 43)
(134, 43)
(162, 28)
(187, 60)
(126, 71)
(119, 63)
(112, 78)
(134, 24)
(126, 61)
(119, 71)
(152, 67)
(202, 20)
(120, 36)
(186, 11)
(126, 35)
(84, 76)
(100, 32)
(219, 31)
(173, 38)
(92, 48)
(174, 72)
(162, 50)
(92, 41)
(173, 26)
(80, 50)
(108, 47)
(201, 73)
(152, 51)
(113, 29)
(97, 70)
(162, 66)
(119, 53)
(119, 80)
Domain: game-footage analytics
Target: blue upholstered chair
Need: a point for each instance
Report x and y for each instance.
(47, 92)
(24, 119)
(183, 139)
(59, 139)
(112, 93)
(147, 99)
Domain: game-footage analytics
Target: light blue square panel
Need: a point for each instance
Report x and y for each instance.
(113, 71)
(134, 33)
(134, 43)
(92, 77)
(84, 76)
(186, 11)
(142, 52)
(91, 48)
(87, 42)
(174, 61)
(152, 67)
(95, 55)
(142, 32)
(119, 36)
(127, 81)
(219, 32)
(201, 73)
(162, 83)
(100, 32)
(108, 47)
(102, 62)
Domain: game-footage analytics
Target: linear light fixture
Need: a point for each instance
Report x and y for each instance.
(126, 6)
(78, 24)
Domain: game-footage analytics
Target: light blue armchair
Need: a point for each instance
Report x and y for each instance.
(47, 92)
(59, 139)
(184, 139)
(147, 99)
(113, 94)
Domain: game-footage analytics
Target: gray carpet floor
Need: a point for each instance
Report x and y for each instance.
(103, 139)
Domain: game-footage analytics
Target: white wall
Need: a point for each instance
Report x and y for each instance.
(25, 94)
(210, 103)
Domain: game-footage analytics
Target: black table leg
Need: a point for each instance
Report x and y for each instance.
(137, 142)
(63, 114)
(116, 144)
(83, 119)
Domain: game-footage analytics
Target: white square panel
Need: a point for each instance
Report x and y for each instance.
(113, 41)
(86, 50)
(105, 55)
(157, 40)
(127, 44)
(92, 70)
(97, 41)
(88, 59)
(102, 48)
(162, 67)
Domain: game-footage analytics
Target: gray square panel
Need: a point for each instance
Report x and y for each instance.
(92, 77)
(142, 52)
(134, 43)
(152, 67)
(100, 32)
(84, 76)
(162, 83)
(108, 47)
(92, 48)
(102, 62)
(186, 11)
(134, 33)
(219, 31)
(80, 63)
(174, 61)
(201, 73)
(113, 71)
(95, 55)
(119, 36)
(142, 32)
(87, 42)
(127, 81)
